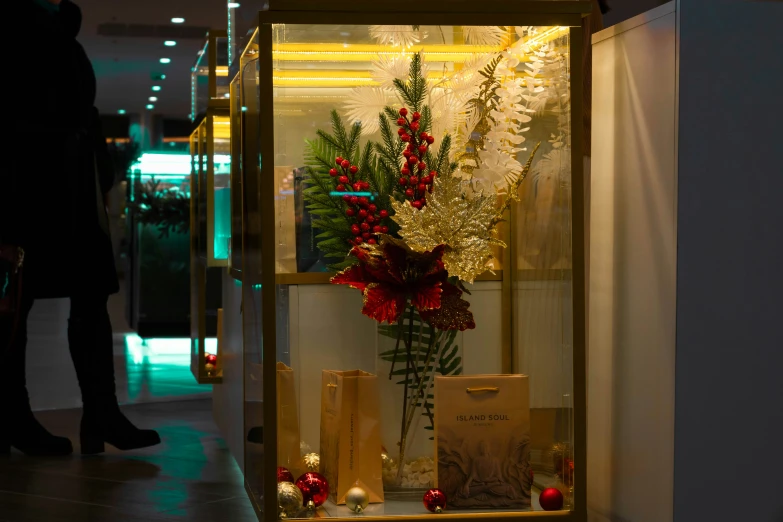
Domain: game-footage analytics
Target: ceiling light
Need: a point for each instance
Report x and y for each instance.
(169, 43)
(177, 20)
(165, 60)
(153, 98)
(150, 106)
(156, 88)
(233, 5)
(121, 111)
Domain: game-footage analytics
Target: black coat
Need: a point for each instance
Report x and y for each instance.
(51, 192)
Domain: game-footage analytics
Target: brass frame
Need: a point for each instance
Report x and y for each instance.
(235, 124)
(259, 189)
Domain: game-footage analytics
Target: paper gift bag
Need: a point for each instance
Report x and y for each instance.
(482, 440)
(351, 434)
(287, 420)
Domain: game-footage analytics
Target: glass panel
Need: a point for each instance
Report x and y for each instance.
(222, 195)
(478, 102)
(199, 77)
(202, 194)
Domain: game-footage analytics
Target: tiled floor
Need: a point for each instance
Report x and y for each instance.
(190, 476)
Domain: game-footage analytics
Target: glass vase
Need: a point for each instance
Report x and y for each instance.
(409, 355)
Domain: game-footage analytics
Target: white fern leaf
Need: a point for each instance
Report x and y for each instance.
(389, 68)
(365, 104)
(396, 35)
(484, 34)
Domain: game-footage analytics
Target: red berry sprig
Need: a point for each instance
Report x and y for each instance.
(415, 180)
(368, 220)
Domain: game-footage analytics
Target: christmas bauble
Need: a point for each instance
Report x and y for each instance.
(312, 461)
(210, 368)
(551, 499)
(314, 488)
(289, 499)
(357, 499)
(211, 358)
(434, 500)
(283, 475)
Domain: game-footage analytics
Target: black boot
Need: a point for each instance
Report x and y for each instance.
(20, 428)
(92, 347)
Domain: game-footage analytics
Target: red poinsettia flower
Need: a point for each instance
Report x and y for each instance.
(391, 274)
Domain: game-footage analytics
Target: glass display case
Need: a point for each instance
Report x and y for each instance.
(209, 82)
(413, 275)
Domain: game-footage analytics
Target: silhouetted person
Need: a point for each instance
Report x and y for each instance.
(52, 205)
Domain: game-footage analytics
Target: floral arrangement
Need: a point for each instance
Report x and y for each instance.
(411, 217)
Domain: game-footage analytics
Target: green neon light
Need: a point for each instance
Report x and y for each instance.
(121, 111)
(156, 88)
(163, 351)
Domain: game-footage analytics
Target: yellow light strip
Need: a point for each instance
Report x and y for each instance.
(368, 52)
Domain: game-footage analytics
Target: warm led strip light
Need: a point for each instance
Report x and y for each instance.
(369, 53)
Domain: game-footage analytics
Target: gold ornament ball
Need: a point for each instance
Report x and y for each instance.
(388, 462)
(312, 461)
(357, 499)
(289, 499)
(210, 368)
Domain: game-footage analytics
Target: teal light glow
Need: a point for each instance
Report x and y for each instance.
(162, 76)
(177, 20)
(175, 164)
(169, 43)
(153, 98)
(163, 351)
(165, 60)
(244, 109)
(121, 111)
(156, 88)
(341, 194)
(150, 106)
(233, 5)
(222, 222)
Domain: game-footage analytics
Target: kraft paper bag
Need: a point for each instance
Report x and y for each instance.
(351, 434)
(482, 441)
(288, 454)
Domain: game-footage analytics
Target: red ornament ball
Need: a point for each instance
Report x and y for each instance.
(340, 188)
(430, 140)
(405, 138)
(355, 229)
(339, 160)
(416, 204)
(424, 135)
(370, 219)
(371, 241)
(362, 214)
(422, 149)
(422, 187)
(413, 159)
(415, 125)
(409, 193)
(434, 500)
(404, 181)
(364, 202)
(314, 488)
(406, 153)
(377, 229)
(366, 235)
(403, 112)
(405, 171)
(345, 164)
(358, 240)
(400, 131)
(426, 180)
(332, 172)
(365, 227)
(211, 358)
(384, 229)
(551, 499)
(350, 212)
(354, 169)
(357, 186)
(343, 179)
(416, 116)
(401, 122)
(283, 475)
(414, 180)
(422, 166)
(372, 208)
(384, 214)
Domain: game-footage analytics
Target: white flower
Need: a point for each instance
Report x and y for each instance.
(365, 104)
(396, 35)
(484, 34)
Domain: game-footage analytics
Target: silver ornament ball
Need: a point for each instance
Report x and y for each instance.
(289, 499)
(357, 499)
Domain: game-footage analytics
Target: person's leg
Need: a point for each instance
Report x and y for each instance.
(20, 428)
(92, 350)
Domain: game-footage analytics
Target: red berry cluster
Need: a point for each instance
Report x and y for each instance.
(415, 180)
(368, 219)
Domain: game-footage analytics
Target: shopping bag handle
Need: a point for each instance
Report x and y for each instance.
(480, 390)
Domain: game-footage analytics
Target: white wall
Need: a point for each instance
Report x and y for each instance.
(729, 401)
